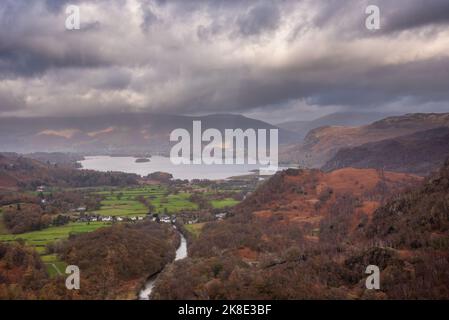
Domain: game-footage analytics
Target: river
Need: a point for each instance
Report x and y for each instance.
(181, 253)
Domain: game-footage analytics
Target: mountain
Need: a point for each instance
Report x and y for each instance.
(321, 144)
(305, 234)
(111, 134)
(347, 119)
(419, 153)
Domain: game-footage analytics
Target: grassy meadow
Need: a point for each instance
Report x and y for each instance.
(224, 203)
(195, 229)
(55, 267)
(125, 202)
(39, 239)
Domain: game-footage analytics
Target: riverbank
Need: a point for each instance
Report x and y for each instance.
(181, 253)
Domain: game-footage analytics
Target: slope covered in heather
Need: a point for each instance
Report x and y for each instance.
(308, 235)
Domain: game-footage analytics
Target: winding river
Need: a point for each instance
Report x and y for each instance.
(181, 253)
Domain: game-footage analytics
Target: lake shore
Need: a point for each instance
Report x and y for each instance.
(163, 164)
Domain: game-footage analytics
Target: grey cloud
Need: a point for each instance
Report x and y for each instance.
(25, 61)
(359, 86)
(10, 101)
(55, 6)
(422, 81)
(262, 17)
(416, 13)
(39, 45)
(112, 79)
(208, 56)
(348, 16)
(149, 17)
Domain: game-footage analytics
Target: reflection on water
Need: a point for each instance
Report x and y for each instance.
(157, 163)
(181, 253)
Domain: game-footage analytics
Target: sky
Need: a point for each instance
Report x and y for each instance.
(272, 60)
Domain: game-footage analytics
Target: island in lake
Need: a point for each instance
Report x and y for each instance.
(142, 160)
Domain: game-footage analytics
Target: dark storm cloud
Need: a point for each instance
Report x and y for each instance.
(359, 87)
(203, 56)
(422, 81)
(31, 51)
(396, 16)
(55, 6)
(28, 62)
(262, 17)
(418, 13)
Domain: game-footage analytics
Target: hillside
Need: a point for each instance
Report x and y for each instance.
(126, 133)
(22, 273)
(301, 235)
(308, 195)
(348, 119)
(321, 144)
(56, 158)
(419, 153)
(114, 262)
(121, 259)
(17, 172)
(418, 219)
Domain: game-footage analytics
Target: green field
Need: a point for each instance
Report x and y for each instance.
(195, 229)
(220, 204)
(122, 203)
(39, 239)
(54, 266)
(123, 208)
(173, 203)
(125, 202)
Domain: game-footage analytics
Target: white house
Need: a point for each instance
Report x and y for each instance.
(165, 219)
(220, 216)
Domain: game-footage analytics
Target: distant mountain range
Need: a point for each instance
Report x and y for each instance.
(419, 153)
(322, 144)
(392, 143)
(114, 134)
(347, 119)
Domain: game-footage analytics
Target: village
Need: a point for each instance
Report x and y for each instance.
(80, 215)
(170, 201)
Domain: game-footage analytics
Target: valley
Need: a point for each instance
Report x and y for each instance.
(303, 233)
(62, 216)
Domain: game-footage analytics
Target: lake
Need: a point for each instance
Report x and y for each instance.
(158, 163)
